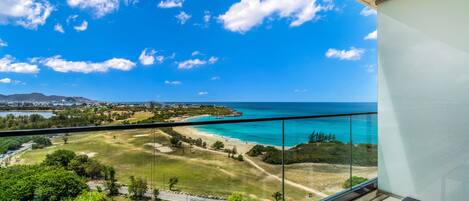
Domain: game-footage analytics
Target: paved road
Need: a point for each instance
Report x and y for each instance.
(11, 154)
(165, 195)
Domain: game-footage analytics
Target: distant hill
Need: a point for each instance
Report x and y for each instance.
(39, 97)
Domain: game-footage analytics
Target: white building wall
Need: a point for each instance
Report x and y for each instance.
(423, 98)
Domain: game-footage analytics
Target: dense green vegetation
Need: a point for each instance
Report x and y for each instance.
(92, 196)
(322, 148)
(61, 176)
(102, 115)
(12, 143)
(165, 113)
(41, 142)
(176, 138)
(39, 182)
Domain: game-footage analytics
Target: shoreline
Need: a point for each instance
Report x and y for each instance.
(189, 131)
(241, 146)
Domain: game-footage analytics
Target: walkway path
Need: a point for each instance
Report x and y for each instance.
(291, 183)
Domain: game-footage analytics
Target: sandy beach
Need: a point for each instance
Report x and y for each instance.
(241, 147)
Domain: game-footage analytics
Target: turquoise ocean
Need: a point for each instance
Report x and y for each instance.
(363, 128)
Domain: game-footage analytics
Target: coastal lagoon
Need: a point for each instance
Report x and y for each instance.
(364, 128)
(26, 113)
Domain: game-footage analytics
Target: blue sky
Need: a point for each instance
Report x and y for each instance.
(204, 50)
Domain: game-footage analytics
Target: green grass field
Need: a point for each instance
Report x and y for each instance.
(200, 172)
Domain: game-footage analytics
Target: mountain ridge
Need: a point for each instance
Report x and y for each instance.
(39, 97)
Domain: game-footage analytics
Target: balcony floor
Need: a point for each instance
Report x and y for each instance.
(377, 196)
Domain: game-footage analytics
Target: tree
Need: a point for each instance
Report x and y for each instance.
(172, 182)
(137, 188)
(240, 157)
(92, 196)
(38, 182)
(218, 145)
(78, 164)
(111, 183)
(65, 138)
(277, 196)
(60, 158)
(87, 167)
(41, 142)
(175, 141)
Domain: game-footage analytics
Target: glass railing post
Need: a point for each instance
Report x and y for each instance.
(283, 160)
(351, 151)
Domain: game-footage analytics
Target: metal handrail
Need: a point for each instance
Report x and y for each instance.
(30, 132)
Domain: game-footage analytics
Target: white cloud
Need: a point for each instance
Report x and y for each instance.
(202, 93)
(215, 78)
(99, 7)
(183, 17)
(352, 54)
(10, 81)
(27, 13)
(5, 81)
(170, 4)
(8, 65)
(207, 17)
(372, 36)
(174, 82)
(148, 57)
(59, 28)
(367, 12)
(212, 60)
(195, 53)
(246, 14)
(82, 27)
(300, 90)
(191, 63)
(60, 65)
(3, 43)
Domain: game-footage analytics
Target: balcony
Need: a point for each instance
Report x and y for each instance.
(322, 157)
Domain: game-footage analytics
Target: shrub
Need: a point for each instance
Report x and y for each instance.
(41, 142)
(218, 145)
(355, 181)
(92, 196)
(59, 158)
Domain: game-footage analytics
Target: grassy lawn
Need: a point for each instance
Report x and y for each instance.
(199, 172)
(326, 178)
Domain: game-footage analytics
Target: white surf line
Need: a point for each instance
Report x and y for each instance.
(291, 183)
